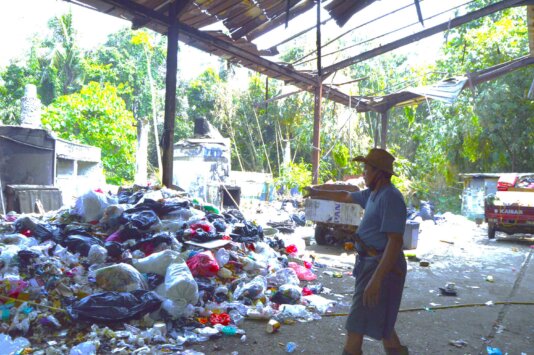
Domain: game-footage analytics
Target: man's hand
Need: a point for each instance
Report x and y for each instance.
(371, 295)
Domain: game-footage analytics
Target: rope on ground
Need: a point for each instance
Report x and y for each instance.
(436, 308)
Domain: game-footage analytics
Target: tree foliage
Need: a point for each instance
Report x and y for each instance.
(97, 116)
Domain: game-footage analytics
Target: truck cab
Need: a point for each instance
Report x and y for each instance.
(511, 209)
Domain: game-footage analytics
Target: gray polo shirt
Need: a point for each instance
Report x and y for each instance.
(385, 212)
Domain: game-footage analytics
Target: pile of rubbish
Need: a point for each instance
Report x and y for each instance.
(145, 270)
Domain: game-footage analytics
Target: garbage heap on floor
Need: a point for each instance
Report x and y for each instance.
(144, 269)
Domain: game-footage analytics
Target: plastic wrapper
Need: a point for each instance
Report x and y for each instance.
(287, 294)
(12, 346)
(121, 278)
(91, 205)
(179, 285)
(252, 290)
(157, 263)
(302, 272)
(17, 239)
(85, 348)
(65, 256)
(112, 307)
(321, 304)
(252, 265)
(7, 255)
(97, 254)
(283, 276)
(111, 218)
(293, 311)
(223, 256)
(203, 264)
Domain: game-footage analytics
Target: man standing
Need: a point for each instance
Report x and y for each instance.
(380, 268)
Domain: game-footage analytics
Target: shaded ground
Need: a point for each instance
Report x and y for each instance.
(458, 251)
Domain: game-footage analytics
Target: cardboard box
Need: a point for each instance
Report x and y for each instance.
(327, 211)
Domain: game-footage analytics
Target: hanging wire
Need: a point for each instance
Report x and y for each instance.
(352, 29)
(386, 34)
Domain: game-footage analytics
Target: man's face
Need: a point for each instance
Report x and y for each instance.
(369, 175)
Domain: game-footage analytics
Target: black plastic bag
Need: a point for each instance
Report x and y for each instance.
(114, 249)
(299, 219)
(159, 208)
(41, 232)
(81, 243)
(128, 196)
(147, 245)
(112, 307)
(26, 258)
(140, 220)
(427, 210)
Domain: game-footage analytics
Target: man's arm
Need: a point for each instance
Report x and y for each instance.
(371, 294)
(339, 195)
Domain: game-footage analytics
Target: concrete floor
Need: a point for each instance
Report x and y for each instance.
(458, 251)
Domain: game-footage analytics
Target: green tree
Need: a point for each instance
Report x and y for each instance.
(97, 116)
(61, 69)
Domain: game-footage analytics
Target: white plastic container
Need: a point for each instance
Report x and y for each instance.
(411, 235)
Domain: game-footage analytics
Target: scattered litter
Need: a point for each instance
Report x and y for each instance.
(499, 329)
(460, 343)
(493, 351)
(449, 289)
(291, 346)
(489, 303)
(489, 278)
(424, 263)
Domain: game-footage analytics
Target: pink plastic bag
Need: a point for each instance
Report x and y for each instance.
(203, 264)
(302, 273)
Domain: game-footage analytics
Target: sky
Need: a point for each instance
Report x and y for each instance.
(21, 19)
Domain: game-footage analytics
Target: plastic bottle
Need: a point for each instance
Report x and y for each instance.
(291, 346)
(229, 330)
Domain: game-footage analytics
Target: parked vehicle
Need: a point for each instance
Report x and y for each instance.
(511, 209)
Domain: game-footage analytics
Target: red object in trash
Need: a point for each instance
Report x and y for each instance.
(203, 264)
(291, 249)
(26, 232)
(306, 291)
(308, 265)
(223, 318)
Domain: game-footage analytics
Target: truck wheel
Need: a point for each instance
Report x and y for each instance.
(320, 234)
(491, 231)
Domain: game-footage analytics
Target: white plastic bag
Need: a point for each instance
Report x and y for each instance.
(157, 263)
(222, 256)
(179, 286)
(252, 290)
(91, 205)
(97, 254)
(282, 277)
